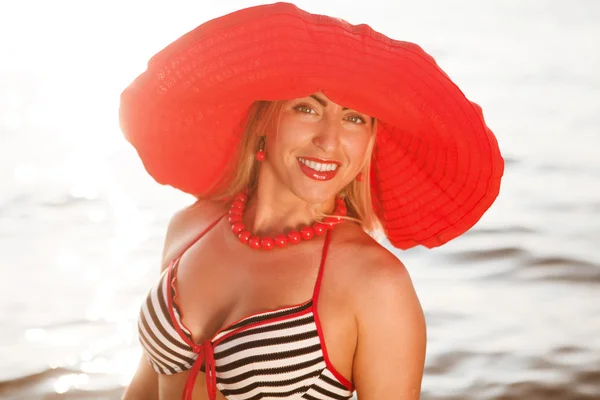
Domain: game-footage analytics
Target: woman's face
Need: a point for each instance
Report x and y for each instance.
(318, 147)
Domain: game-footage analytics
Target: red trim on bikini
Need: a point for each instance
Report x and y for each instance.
(170, 299)
(173, 285)
(254, 325)
(330, 366)
(170, 284)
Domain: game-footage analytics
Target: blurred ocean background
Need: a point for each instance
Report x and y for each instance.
(513, 306)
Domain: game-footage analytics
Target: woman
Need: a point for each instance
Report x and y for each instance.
(300, 135)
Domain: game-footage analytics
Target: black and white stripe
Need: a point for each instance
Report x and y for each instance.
(167, 352)
(272, 355)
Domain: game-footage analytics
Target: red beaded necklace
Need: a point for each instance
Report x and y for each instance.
(267, 243)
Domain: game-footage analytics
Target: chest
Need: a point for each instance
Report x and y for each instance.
(219, 282)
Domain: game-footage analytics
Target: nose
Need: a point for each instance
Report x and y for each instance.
(328, 135)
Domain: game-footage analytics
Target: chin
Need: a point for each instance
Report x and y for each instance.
(316, 193)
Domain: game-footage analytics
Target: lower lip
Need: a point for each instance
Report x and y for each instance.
(317, 175)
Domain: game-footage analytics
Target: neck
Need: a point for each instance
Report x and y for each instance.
(271, 211)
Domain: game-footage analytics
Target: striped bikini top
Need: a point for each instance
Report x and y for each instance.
(275, 354)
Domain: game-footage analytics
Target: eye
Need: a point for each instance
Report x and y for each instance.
(303, 108)
(356, 119)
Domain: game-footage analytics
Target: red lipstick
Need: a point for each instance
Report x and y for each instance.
(313, 173)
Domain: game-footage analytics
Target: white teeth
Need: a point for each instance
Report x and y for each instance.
(318, 166)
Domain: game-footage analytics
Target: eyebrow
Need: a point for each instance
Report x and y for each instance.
(324, 104)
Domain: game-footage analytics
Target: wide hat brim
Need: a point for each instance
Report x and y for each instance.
(436, 166)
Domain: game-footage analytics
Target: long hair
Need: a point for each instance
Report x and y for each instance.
(264, 115)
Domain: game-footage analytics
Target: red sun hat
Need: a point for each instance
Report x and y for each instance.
(436, 166)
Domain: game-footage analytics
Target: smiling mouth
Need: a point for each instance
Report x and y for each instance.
(320, 171)
(318, 166)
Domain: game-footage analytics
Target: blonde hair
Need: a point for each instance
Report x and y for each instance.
(263, 116)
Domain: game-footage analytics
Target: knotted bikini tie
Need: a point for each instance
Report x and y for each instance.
(206, 355)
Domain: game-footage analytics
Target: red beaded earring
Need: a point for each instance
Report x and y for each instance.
(359, 177)
(260, 154)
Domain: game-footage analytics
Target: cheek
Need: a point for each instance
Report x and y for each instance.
(289, 136)
(356, 148)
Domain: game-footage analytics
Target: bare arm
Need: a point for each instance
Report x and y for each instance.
(144, 385)
(390, 354)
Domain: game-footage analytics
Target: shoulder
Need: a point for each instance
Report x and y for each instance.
(385, 293)
(389, 320)
(185, 224)
(364, 259)
(200, 210)
(376, 279)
